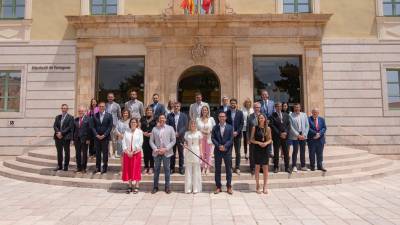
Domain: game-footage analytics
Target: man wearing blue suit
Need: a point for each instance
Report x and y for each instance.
(316, 139)
(267, 105)
(179, 121)
(235, 119)
(101, 125)
(158, 108)
(222, 138)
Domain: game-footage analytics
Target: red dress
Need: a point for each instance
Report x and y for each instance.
(132, 167)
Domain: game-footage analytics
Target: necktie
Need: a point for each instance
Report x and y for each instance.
(316, 124)
(266, 107)
(80, 122)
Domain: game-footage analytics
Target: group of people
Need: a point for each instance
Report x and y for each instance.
(158, 134)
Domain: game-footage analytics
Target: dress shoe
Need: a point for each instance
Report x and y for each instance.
(167, 191)
(155, 190)
(172, 171)
(312, 169)
(237, 171)
(229, 190)
(57, 169)
(103, 171)
(65, 169)
(217, 191)
(323, 169)
(96, 172)
(276, 170)
(182, 172)
(288, 171)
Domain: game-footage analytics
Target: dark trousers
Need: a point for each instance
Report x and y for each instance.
(237, 141)
(180, 154)
(81, 150)
(147, 154)
(296, 144)
(245, 142)
(63, 145)
(227, 157)
(101, 147)
(281, 143)
(92, 151)
(251, 157)
(316, 148)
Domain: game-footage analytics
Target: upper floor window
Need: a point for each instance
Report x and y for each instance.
(104, 7)
(192, 7)
(391, 7)
(10, 91)
(296, 6)
(12, 9)
(393, 87)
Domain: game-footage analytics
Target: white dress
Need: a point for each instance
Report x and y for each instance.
(192, 162)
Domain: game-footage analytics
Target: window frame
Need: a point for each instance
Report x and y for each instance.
(6, 97)
(385, 90)
(393, 3)
(104, 6)
(14, 7)
(296, 7)
(22, 97)
(388, 83)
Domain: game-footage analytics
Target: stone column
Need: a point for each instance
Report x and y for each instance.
(243, 72)
(85, 76)
(314, 85)
(154, 80)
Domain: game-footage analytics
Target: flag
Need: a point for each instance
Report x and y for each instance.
(206, 5)
(188, 5)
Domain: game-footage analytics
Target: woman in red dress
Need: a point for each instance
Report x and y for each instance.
(132, 156)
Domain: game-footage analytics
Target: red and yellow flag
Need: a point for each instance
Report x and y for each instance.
(188, 5)
(206, 5)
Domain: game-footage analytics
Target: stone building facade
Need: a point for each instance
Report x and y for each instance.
(346, 50)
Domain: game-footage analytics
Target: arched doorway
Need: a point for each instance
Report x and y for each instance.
(199, 78)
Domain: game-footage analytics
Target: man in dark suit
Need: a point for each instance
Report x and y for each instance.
(81, 139)
(316, 139)
(63, 128)
(179, 121)
(222, 138)
(267, 105)
(101, 125)
(224, 107)
(280, 124)
(158, 108)
(235, 119)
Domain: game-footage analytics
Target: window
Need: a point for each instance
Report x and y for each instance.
(393, 88)
(12, 9)
(296, 6)
(104, 7)
(280, 76)
(10, 91)
(391, 7)
(120, 75)
(198, 8)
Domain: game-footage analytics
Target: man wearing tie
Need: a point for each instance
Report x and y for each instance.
(158, 108)
(101, 125)
(81, 139)
(195, 108)
(316, 139)
(235, 119)
(280, 124)
(222, 138)
(162, 140)
(179, 122)
(63, 129)
(267, 105)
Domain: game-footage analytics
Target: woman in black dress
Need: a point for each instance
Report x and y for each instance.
(262, 139)
(147, 124)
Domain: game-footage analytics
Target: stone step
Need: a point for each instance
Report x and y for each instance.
(114, 185)
(368, 166)
(244, 167)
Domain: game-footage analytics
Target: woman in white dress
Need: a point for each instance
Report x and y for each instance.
(205, 124)
(192, 162)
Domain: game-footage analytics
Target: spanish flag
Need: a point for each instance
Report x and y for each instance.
(188, 5)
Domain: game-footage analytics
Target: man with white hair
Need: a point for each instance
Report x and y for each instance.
(81, 137)
(316, 139)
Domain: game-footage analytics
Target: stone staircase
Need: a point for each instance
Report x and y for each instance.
(344, 165)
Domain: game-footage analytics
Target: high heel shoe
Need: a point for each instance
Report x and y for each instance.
(258, 191)
(265, 190)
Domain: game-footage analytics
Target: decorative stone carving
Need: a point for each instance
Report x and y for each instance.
(388, 28)
(198, 51)
(15, 30)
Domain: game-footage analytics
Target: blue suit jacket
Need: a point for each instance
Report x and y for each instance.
(226, 140)
(237, 123)
(182, 123)
(103, 128)
(160, 110)
(270, 108)
(313, 130)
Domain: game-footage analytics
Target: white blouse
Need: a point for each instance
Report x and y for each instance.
(246, 114)
(193, 141)
(206, 127)
(133, 140)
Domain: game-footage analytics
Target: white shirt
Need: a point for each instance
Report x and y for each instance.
(222, 128)
(176, 117)
(102, 117)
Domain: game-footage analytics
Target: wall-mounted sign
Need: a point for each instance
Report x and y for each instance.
(51, 68)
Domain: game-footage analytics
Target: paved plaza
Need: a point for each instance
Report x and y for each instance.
(370, 202)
